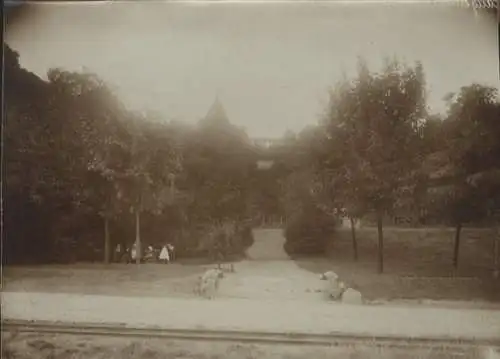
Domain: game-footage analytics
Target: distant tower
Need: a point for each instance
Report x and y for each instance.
(216, 114)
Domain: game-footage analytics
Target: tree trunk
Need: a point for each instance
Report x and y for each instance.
(138, 249)
(354, 242)
(107, 244)
(380, 244)
(457, 245)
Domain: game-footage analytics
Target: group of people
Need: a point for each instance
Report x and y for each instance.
(166, 254)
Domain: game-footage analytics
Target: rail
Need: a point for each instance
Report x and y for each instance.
(333, 339)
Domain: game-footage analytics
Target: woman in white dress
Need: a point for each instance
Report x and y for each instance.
(133, 252)
(164, 255)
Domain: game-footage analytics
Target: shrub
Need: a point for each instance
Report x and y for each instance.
(246, 236)
(225, 241)
(308, 232)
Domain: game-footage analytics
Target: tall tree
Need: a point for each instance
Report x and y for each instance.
(96, 116)
(373, 130)
(43, 156)
(473, 130)
(218, 160)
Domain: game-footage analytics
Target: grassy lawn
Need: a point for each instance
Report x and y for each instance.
(420, 252)
(35, 346)
(418, 264)
(116, 279)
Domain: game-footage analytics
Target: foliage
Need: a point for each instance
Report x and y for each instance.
(374, 139)
(308, 232)
(75, 151)
(75, 158)
(218, 162)
(473, 130)
(372, 136)
(471, 193)
(309, 228)
(226, 241)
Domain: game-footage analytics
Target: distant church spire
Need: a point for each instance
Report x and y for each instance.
(216, 114)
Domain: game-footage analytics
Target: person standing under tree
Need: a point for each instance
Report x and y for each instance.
(164, 255)
(133, 252)
(170, 249)
(118, 253)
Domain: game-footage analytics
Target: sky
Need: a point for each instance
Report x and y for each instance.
(271, 65)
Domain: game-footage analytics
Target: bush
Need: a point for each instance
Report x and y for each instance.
(246, 235)
(224, 241)
(308, 232)
(190, 243)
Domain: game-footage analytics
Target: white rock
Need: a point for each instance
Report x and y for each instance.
(490, 353)
(333, 287)
(330, 275)
(352, 296)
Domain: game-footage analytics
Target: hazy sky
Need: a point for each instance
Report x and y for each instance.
(270, 64)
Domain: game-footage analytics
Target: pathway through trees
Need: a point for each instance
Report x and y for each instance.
(269, 274)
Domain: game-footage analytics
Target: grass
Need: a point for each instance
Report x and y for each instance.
(117, 279)
(418, 264)
(36, 346)
(423, 252)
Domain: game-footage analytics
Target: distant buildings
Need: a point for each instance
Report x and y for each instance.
(266, 143)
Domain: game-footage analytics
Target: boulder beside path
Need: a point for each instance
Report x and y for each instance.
(352, 296)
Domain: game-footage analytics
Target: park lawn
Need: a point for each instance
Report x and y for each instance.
(417, 264)
(418, 268)
(38, 346)
(174, 280)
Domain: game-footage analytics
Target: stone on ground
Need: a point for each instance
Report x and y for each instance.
(352, 296)
(333, 285)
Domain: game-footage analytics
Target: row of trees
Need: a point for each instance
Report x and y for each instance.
(379, 151)
(80, 166)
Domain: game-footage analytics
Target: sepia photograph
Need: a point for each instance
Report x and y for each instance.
(251, 180)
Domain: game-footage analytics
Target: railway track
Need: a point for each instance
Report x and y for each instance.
(334, 339)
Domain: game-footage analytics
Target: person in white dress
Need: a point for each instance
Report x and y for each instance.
(133, 252)
(164, 255)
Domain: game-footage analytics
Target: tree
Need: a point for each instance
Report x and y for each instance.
(218, 162)
(76, 153)
(372, 128)
(154, 160)
(41, 161)
(310, 225)
(97, 118)
(473, 130)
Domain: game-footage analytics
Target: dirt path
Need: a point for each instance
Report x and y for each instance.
(268, 245)
(281, 280)
(252, 315)
(269, 273)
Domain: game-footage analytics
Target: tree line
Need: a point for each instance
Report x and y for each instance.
(80, 167)
(84, 173)
(379, 151)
